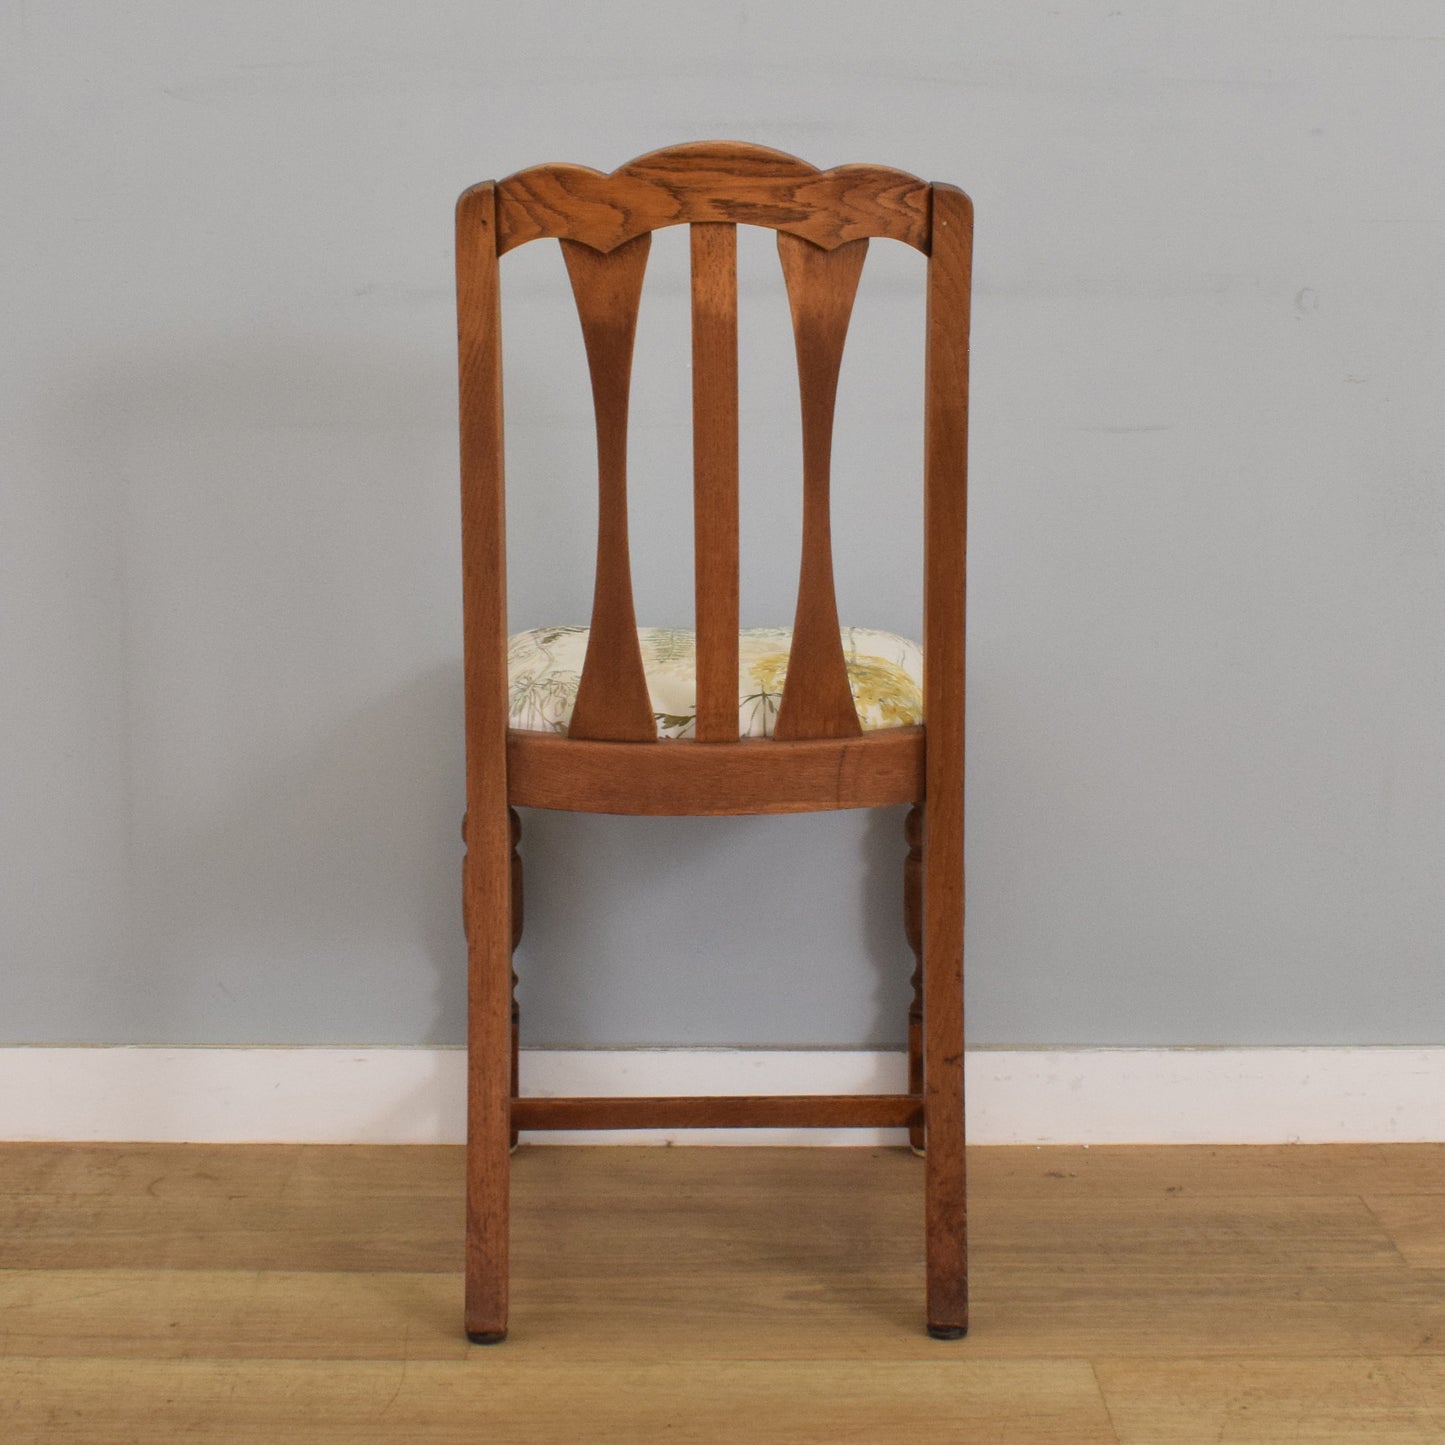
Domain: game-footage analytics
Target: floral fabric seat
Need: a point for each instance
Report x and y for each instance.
(544, 669)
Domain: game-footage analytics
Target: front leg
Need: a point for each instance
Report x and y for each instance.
(516, 883)
(913, 931)
(516, 939)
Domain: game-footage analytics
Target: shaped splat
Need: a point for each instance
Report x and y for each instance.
(612, 701)
(817, 701)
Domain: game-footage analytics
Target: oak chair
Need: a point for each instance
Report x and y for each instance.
(604, 754)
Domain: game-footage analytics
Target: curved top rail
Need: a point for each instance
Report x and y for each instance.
(713, 181)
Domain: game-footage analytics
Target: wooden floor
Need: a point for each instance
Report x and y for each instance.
(1121, 1294)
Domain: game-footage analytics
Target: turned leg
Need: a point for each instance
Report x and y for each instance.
(945, 1209)
(516, 939)
(466, 892)
(913, 931)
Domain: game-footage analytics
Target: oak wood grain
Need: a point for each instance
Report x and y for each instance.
(1159, 1255)
(1284, 1171)
(725, 181)
(125, 1314)
(1065, 1173)
(707, 1273)
(540, 1401)
(1415, 1224)
(1240, 1401)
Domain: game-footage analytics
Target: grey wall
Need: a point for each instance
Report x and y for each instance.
(1206, 791)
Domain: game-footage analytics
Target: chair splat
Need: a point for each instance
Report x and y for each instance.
(612, 699)
(715, 476)
(817, 701)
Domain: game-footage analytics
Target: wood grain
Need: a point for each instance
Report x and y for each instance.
(747, 1111)
(712, 181)
(819, 759)
(1399, 1400)
(163, 1314)
(350, 1233)
(547, 1400)
(488, 888)
(817, 700)
(1064, 1173)
(715, 477)
(1415, 1224)
(1105, 1171)
(913, 932)
(612, 699)
(1243, 1294)
(517, 895)
(945, 421)
(735, 1281)
(753, 775)
(1035, 1249)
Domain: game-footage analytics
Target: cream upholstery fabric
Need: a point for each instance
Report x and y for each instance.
(544, 669)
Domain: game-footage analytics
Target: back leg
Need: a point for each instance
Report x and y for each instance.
(486, 906)
(913, 931)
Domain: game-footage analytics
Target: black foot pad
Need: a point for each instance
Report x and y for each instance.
(486, 1337)
(942, 1332)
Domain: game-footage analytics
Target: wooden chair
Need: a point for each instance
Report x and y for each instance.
(610, 759)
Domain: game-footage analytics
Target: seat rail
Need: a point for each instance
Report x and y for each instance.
(679, 778)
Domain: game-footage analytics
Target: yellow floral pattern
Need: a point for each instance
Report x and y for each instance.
(544, 667)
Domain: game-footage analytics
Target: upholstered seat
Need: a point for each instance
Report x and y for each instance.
(544, 669)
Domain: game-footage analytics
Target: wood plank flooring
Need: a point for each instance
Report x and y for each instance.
(1135, 1295)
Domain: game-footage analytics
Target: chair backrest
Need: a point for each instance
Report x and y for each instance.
(824, 220)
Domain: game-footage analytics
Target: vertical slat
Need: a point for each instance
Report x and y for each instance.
(715, 476)
(487, 871)
(944, 548)
(612, 700)
(817, 702)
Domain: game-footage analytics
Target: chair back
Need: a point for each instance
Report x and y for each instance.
(824, 220)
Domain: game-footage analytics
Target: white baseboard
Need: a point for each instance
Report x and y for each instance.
(1015, 1096)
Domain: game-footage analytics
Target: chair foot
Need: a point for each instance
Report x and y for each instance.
(486, 1337)
(942, 1332)
(921, 1153)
